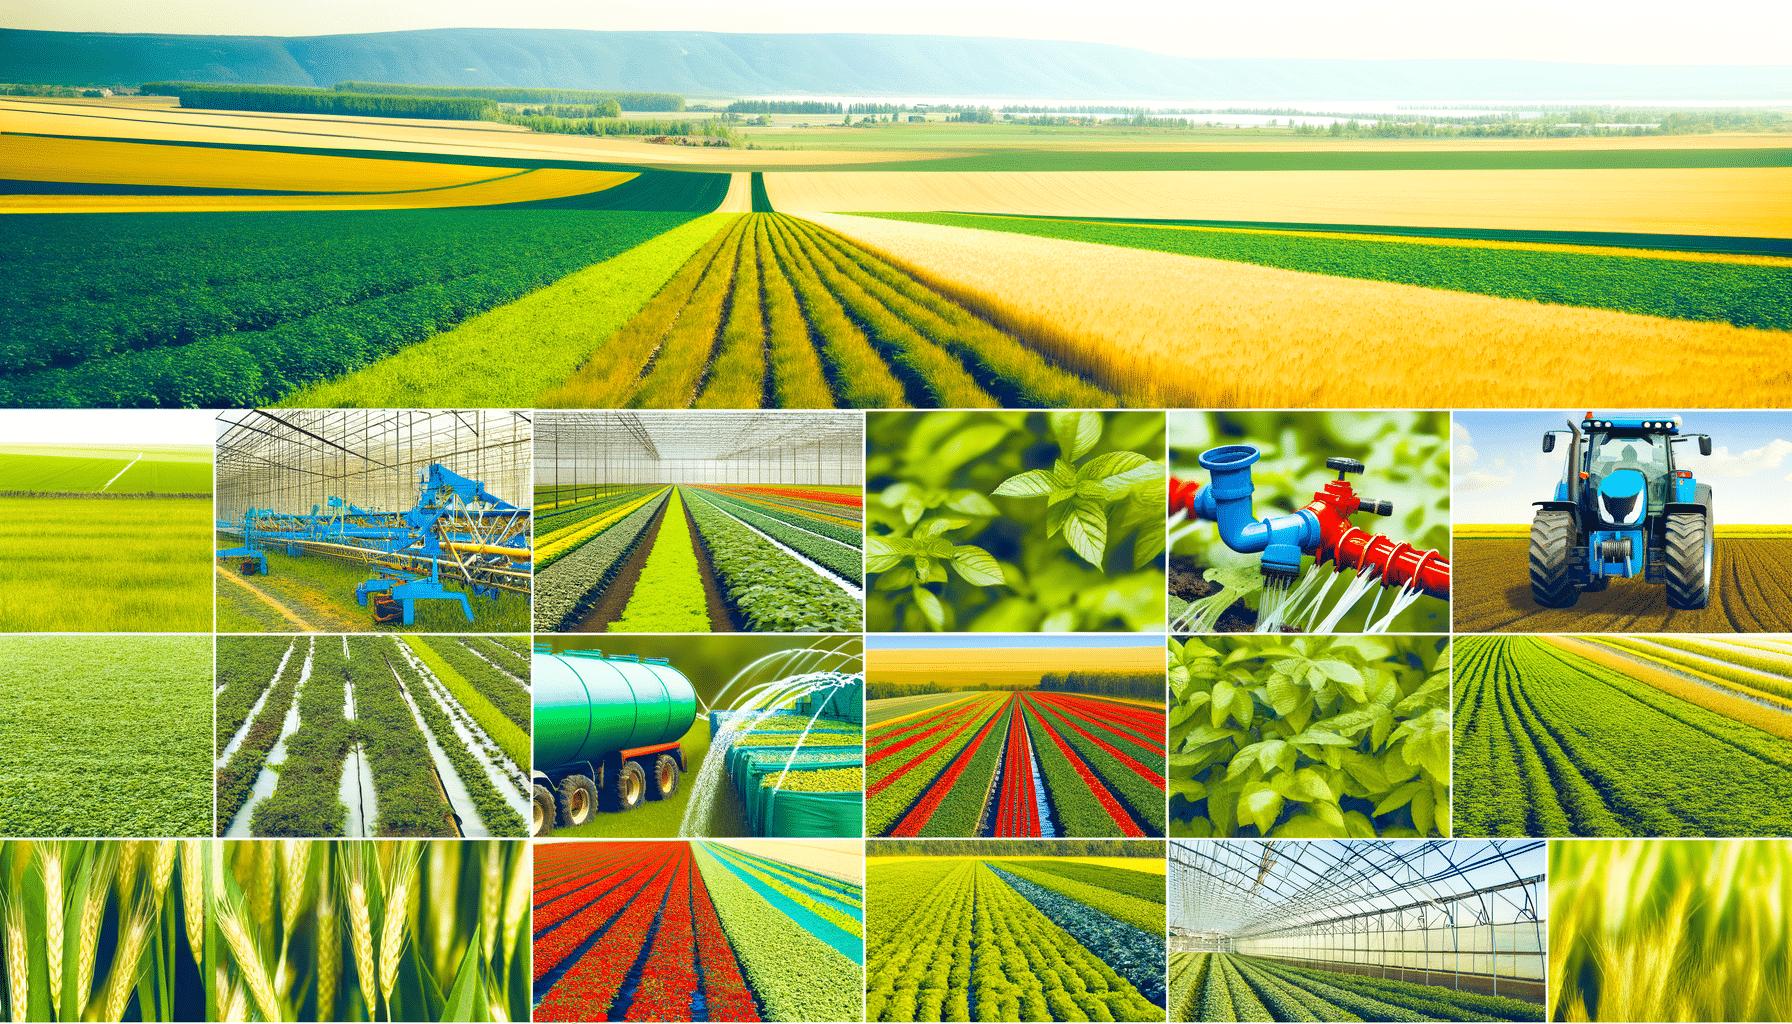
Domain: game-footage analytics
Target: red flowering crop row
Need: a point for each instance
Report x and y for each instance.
(911, 823)
(588, 989)
(1097, 788)
(832, 498)
(1058, 715)
(552, 949)
(1017, 812)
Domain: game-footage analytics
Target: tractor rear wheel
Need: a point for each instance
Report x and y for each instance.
(578, 800)
(544, 813)
(664, 781)
(1552, 538)
(1688, 560)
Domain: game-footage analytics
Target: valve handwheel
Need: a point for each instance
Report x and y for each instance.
(1343, 465)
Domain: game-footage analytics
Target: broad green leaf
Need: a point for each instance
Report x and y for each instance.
(1329, 813)
(1358, 825)
(1244, 763)
(1399, 797)
(1119, 484)
(880, 556)
(896, 578)
(928, 570)
(1087, 532)
(1076, 431)
(1321, 737)
(1308, 784)
(1427, 742)
(1423, 806)
(1285, 695)
(1307, 826)
(1261, 804)
(1055, 516)
(973, 504)
(977, 566)
(940, 524)
(1188, 789)
(930, 607)
(1367, 772)
(1222, 702)
(1110, 464)
(1272, 753)
(1148, 545)
(1034, 483)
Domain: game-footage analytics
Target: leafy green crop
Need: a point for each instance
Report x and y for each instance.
(1310, 738)
(1406, 459)
(1034, 522)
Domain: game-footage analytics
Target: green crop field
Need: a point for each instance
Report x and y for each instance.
(58, 472)
(165, 477)
(106, 736)
(1230, 987)
(100, 565)
(1744, 294)
(1549, 743)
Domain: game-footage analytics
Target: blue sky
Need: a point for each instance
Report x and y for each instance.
(1639, 32)
(1500, 468)
(934, 641)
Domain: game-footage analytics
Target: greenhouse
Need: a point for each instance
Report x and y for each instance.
(697, 521)
(360, 519)
(1379, 929)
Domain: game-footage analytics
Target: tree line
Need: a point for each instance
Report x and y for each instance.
(998, 848)
(283, 99)
(653, 102)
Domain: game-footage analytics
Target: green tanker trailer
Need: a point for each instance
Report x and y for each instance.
(607, 731)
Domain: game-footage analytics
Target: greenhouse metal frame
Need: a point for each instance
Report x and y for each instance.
(575, 450)
(288, 460)
(1464, 914)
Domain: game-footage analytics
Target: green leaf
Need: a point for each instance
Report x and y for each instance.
(930, 607)
(1424, 806)
(896, 578)
(973, 504)
(936, 526)
(880, 556)
(1308, 784)
(1076, 431)
(1055, 515)
(1086, 530)
(1399, 797)
(1285, 694)
(1358, 825)
(1329, 813)
(465, 1000)
(1320, 737)
(1261, 804)
(1034, 483)
(1427, 742)
(977, 566)
(1188, 789)
(1222, 702)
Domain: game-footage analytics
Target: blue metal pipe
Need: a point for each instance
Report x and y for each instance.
(1283, 539)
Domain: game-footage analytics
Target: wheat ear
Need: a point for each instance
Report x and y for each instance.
(121, 980)
(490, 894)
(55, 907)
(127, 869)
(192, 894)
(329, 952)
(248, 959)
(392, 929)
(93, 912)
(360, 922)
(298, 860)
(262, 894)
(18, 963)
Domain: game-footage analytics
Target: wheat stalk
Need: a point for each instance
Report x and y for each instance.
(361, 925)
(192, 892)
(248, 958)
(392, 929)
(93, 912)
(491, 893)
(329, 952)
(55, 907)
(18, 965)
(121, 980)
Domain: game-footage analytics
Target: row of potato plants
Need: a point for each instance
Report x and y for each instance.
(1134, 953)
(669, 596)
(907, 766)
(403, 781)
(307, 800)
(500, 818)
(795, 975)
(561, 591)
(246, 667)
(837, 557)
(773, 592)
(236, 780)
(503, 730)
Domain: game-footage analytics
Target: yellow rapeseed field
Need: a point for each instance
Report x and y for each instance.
(1164, 329)
(1748, 201)
(30, 158)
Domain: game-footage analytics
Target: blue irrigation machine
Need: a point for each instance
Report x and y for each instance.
(1623, 508)
(458, 539)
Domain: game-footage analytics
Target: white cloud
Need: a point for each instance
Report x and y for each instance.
(1458, 432)
(1723, 465)
(1464, 456)
(1480, 480)
(1499, 463)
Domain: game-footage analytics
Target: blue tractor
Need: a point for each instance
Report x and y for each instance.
(1623, 508)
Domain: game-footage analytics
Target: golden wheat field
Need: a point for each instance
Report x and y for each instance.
(1164, 329)
(1749, 201)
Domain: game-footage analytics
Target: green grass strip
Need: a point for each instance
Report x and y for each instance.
(506, 356)
(1336, 160)
(669, 596)
(1742, 294)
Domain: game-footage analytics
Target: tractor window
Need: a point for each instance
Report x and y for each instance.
(1648, 455)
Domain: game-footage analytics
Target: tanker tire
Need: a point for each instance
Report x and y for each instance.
(631, 786)
(1688, 566)
(663, 782)
(1552, 534)
(544, 813)
(577, 800)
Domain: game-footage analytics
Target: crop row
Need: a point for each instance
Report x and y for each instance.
(227, 309)
(505, 656)
(1081, 800)
(772, 591)
(945, 935)
(589, 987)
(1229, 987)
(560, 591)
(504, 693)
(498, 725)
(1140, 884)
(841, 559)
(555, 522)
(814, 899)
(1552, 744)
(1017, 803)
(1763, 672)
(669, 597)
(1113, 744)
(781, 311)
(246, 668)
(797, 493)
(307, 800)
(898, 774)
(500, 818)
(830, 524)
(1143, 914)
(237, 778)
(404, 781)
(1134, 954)
(558, 543)
(955, 798)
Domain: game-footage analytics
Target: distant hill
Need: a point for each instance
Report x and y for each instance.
(713, 64)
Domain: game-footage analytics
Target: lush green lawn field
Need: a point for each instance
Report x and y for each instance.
(1744, 294)
(322, 592)
(106, 736)
(95, 565)
(166, 477)
(659, 819)
(59, 473)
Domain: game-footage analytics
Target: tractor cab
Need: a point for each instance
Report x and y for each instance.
(1622, 509)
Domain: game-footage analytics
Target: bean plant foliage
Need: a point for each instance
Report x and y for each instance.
(1309, 737)
(1015, 521)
